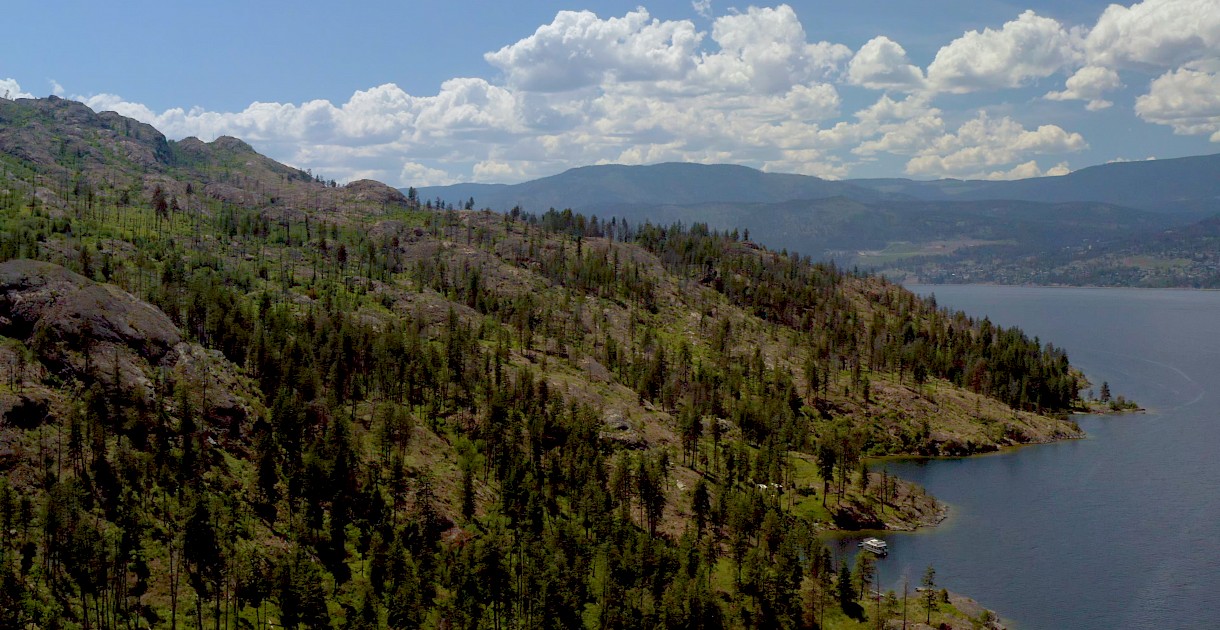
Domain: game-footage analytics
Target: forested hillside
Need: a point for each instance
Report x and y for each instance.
(236, 394)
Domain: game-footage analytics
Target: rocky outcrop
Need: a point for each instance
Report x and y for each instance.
(42, 131)
(376, 192)
(58, 305)
(98, 333)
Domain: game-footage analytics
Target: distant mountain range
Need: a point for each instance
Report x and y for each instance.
(596, 188)
(1188, 186)
(947, 230)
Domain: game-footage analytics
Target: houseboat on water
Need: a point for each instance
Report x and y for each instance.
(875, 545)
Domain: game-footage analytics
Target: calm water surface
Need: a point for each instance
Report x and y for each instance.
(1119, 530)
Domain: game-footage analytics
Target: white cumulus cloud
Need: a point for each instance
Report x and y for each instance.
(1186, 100)
(1089, 84)
(1146, 37)
(882, 64)
(579, 49)
(766, 50)
(986, 143)
(1028, 48)
(899, 127)
(1155, 34)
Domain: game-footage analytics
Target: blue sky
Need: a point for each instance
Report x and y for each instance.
(426, 93)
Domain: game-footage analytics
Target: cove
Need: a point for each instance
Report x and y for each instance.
(1118, 530)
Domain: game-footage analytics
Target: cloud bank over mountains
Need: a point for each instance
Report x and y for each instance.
(753, 89)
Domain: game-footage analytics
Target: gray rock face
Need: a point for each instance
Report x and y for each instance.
(96, 332)
(38, 298)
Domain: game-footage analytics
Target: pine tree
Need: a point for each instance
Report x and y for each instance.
(928, 584)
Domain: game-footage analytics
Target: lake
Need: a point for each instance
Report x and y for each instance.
(1119, 530)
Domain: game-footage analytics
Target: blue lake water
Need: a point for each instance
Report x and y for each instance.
(1119, 530)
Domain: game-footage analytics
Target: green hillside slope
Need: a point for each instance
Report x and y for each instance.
(235, 394)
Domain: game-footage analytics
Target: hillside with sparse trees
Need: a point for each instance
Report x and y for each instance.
(237, 394)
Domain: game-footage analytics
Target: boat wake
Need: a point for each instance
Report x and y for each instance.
(1200, 390)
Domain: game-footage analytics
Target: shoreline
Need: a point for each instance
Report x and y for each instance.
(886, 503)
(963, 611)
(912, 507)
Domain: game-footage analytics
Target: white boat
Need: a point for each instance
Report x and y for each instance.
(875, 545)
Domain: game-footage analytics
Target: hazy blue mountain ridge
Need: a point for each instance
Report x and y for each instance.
(1189, 186)
(1118, 223)
(592, 188)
